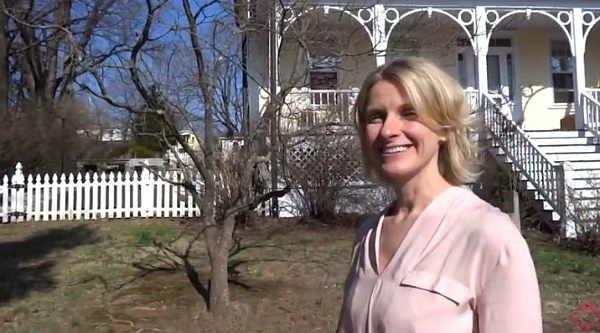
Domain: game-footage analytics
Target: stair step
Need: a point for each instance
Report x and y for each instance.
(565, 141)
(587, 194)
(559, 134)
(585, 183)
(558, 149)
(584, 165)
(576, 157)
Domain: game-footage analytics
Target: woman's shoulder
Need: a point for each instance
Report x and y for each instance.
(490, 225)
(369, 224)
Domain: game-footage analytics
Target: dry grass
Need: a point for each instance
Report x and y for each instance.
(111, 276)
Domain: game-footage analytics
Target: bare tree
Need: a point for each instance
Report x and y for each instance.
(193, 69)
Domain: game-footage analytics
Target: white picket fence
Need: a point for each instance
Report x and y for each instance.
(94, 196)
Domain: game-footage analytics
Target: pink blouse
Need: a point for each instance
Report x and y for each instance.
(463, 267)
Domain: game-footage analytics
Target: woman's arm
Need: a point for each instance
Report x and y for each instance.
(509, 301)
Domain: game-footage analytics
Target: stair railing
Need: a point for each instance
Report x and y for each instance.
(591, 106)
(547, 177)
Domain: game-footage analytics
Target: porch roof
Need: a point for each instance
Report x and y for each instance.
(545, 4)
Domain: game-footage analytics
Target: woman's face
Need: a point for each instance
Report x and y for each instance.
(399, 147)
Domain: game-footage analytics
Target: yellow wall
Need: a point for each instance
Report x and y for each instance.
(535, 81)
(533, 73)
(434, 44)
(592, 58)
(357, 60)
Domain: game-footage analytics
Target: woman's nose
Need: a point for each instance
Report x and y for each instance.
(392, 126)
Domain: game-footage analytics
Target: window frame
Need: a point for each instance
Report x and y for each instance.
(571, 71)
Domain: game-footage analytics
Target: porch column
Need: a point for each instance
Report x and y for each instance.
(380, 42)
(481, 49)
(579, 54)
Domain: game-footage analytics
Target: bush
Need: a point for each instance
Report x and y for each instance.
(320, 169)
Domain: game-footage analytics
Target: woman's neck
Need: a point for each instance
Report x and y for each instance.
(415, 194)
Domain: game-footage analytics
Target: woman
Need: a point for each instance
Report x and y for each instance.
(438, 259)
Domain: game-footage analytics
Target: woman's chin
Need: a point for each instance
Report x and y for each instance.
(395, 174)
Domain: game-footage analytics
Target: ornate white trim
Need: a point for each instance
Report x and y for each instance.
(563, 18)
(359, 17)
(589, 24)
(466, 24)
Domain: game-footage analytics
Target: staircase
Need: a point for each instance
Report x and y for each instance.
(562, 168)
(579, 151)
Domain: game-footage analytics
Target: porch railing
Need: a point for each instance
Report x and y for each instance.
(594, 93)
(305, 108)
(472, 98)
(547, 177)
(590, 102)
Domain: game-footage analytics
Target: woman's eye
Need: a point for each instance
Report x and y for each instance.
(409, 115)
(375, 118)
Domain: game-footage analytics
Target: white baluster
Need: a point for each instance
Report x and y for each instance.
(46, 196)
(168, 194)
(103, 206)
(119, 186)
(4, 192)
(95, 209)
(37, 198)
(127, 207)
(87, 197)
(54, 198)
(159, 197)
(111, 185)
(79, 197)
(62, 200)
(134, 195)
(70, 196)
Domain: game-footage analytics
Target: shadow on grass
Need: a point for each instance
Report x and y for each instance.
(25, 265)
(172, 259)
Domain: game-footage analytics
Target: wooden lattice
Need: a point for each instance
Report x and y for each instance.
(324, 161)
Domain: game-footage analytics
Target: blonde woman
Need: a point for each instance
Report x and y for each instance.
(438, 259)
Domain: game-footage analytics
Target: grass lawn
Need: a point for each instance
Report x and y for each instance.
(110, 276)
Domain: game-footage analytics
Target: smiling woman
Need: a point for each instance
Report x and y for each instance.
(437, 259)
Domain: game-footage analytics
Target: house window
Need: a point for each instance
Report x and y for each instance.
(323, 72)
(500, 42)
(462, 71)
(561, 62)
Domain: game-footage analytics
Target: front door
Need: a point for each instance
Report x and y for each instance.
(501, 77)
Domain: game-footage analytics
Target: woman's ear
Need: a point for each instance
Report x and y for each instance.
(444, 133)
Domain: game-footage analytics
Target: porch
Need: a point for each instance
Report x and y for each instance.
(540, 63)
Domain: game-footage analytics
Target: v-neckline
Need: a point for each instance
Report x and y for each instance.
(409, 233)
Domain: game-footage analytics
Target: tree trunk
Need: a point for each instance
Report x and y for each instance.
(3, 65)
(219, 245)
(219, 286)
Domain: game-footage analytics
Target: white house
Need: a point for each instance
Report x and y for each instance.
(531, 67)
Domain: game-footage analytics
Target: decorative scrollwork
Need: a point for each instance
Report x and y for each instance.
(589, 19)
(560, 16)
(493, 21)
(471, 16)
(363, 16)
(464, 17)
(395, 18)
(369, 18)
(563, 18)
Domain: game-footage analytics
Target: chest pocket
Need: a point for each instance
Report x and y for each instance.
(443, 286)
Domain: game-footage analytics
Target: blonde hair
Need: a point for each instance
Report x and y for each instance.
(440, 105)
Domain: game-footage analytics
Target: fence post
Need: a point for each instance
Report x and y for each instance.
(4, 196)
(145, 188)
(18, 193)
(561, 198)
